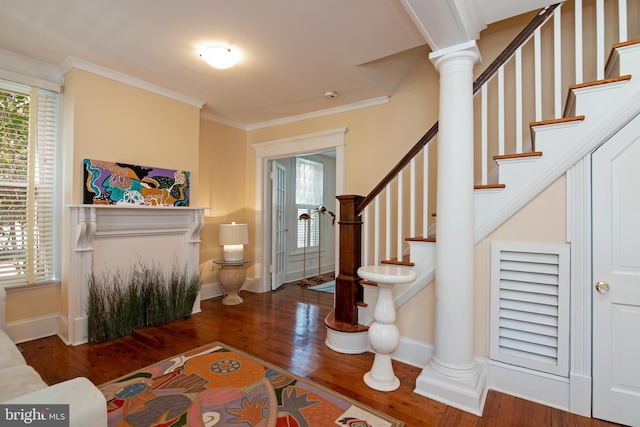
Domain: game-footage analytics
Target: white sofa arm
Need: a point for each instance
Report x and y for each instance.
(87, 404)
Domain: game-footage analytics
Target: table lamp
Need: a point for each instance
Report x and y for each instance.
(233, 237)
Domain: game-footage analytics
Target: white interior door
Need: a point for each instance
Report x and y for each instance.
(616, 277)
(278, 225)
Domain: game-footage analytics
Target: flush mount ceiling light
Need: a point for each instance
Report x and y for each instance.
(220, 56)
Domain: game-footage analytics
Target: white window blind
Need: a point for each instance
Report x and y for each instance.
(309, 197)
(28, 126)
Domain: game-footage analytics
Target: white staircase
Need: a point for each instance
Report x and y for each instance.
(566, 123)
(594, 112)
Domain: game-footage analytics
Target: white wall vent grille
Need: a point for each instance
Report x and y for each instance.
(530, 306)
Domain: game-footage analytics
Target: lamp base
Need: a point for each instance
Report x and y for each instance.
(233, 253)
(231, 279)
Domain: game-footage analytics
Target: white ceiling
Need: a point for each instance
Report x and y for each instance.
(293, 51)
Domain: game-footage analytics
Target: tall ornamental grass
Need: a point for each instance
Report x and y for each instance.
(146, 297)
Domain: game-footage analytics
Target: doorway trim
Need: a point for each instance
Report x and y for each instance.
(317, 142)
(579, 226)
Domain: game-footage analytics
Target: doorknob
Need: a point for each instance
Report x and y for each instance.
(602, 287)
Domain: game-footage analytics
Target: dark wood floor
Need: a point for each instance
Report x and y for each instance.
(285, 328)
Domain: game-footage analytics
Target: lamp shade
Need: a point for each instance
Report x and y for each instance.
(233, 234)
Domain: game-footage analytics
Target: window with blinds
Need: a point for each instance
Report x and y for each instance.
(28, 128)
(309, 197)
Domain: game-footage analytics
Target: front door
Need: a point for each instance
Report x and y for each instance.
(616, 277)
(278, 225)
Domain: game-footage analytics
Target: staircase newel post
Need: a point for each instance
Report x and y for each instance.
(348, 289)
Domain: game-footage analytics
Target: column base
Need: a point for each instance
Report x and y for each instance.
(465, 389)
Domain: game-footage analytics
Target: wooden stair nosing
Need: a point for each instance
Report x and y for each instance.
(557, 121)
(616, 46)
(368, 282)
(593, 83)
(430, 239)
(488, 186)
(331, 323)
(396, 262)
(561, 120)
(518, 155)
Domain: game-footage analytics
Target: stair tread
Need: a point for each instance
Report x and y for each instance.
(600, 82)
(488, 186)
(331, 323)
(570, 104)
(421, 239)
(518, 156)
(368, 282)
(395, 261)
(619, 45)
(557, 121)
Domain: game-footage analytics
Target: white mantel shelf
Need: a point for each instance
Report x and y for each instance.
(105, 237)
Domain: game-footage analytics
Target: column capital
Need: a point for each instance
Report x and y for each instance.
(463, 50)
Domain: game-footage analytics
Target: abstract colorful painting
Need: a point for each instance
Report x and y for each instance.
(111, 183)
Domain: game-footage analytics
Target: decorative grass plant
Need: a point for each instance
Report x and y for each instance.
(118, 305)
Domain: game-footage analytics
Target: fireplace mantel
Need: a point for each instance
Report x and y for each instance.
(105, 237)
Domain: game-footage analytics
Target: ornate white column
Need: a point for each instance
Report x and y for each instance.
(452, 376)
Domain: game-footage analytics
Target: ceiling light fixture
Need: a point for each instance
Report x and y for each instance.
(220, 56)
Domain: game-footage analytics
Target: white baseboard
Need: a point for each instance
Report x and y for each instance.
(33, 329)
(539, 387)
(253, 285)
(580, 394)
(412, 352)
(63, 329)
(214, 290)
(210, 290)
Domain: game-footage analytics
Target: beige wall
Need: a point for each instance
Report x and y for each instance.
(20, 304)
(223, 153)
(113, 121)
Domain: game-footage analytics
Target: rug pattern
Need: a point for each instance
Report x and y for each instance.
(216, 385)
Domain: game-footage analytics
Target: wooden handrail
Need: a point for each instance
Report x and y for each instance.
(502, 59)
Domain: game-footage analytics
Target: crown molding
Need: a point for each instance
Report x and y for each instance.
(215, 118)
(80, 64)
(28, 71)
(291, 119)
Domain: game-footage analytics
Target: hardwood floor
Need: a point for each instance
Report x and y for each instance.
(285, 328)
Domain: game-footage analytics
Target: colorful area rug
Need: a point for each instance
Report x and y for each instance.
(216, 385)
(329, 287)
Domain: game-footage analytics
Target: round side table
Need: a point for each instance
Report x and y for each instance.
(384, 336)
(232, 275)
